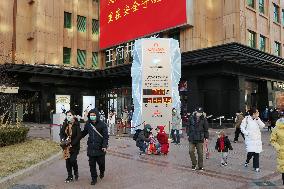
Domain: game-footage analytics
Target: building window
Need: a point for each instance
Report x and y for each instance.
(261, 6)
(81, 23)
(95, 60)
(283, 16)
(276, 13)
(250, 3)
(67, 20)
(66, 55)
(95, 26)
(81, 57)
(277, 48)
(262, 43)
(251, 39)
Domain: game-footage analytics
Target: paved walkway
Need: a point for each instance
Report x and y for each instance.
(125, 168)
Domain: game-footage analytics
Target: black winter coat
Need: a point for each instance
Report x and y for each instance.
(76, 130)
(197, 131)
(143, 136)
(95, 141)
(227, 146)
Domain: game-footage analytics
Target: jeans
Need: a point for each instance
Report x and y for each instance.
(175, 135)
(143, 147)
(224, 157)
(93, 160)
(255, 159)
(199, 147)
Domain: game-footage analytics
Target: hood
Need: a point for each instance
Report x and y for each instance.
(280, 124)
(97, 114)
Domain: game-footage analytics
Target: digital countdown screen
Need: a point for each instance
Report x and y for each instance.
(125, 20)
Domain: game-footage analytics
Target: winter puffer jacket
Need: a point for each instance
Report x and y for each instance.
(197, 130)
(95, 141)
(277, 140)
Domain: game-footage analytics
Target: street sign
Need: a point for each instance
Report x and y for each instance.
(8, 90)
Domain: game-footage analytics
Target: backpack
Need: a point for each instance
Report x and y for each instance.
(135, 136)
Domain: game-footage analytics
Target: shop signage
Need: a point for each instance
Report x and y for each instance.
(144, 16)
(62, 103)
(10, 90)
(278, 86)
(156, 82)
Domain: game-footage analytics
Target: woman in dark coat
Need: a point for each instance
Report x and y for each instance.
(97, 143)
(70, 132)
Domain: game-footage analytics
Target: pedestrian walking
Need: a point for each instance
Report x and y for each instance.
(273, 118)
(277, 142)
(238, 121)
(223, 145)
(251, 126)
(125, 116)
(69, 136)
(197, 133)
(97, 143)
(111, 122)
(176, 126)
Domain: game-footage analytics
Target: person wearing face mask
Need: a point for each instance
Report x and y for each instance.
(276, 139)
(143, 138)
(176, 126)
(70, 131)
(250, 127)
(97, 143)
(197, 134)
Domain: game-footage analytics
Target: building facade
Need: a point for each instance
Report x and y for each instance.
(232, 56)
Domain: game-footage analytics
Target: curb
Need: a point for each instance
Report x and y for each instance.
(10, 180)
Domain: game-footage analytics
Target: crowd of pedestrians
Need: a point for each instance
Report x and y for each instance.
(99, 127)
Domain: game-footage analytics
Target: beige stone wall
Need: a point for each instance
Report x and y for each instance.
(40, 32)
(41, 36)
(218, 22)
(6, 29)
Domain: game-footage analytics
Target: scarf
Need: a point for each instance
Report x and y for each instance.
(66, 151)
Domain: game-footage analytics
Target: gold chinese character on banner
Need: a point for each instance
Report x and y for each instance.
(156, 1)
(144, 3)
(117, 14)
(126, 10)
(111, 2)
(110, 17)
(135, 6)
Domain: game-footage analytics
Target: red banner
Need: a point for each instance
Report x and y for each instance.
(124, 20)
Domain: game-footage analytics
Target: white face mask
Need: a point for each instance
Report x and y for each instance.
(69, 118)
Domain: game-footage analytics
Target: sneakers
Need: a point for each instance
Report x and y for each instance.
(200, 169)
(76, 177)
(225, 163)
(222, 164)
(235, 141)
(246, 164)
(102, 175)
(257, 170)
(69, 179)
(193, 168)
(94, 181)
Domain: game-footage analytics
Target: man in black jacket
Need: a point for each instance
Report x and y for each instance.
(197, 133)
(97, 143)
